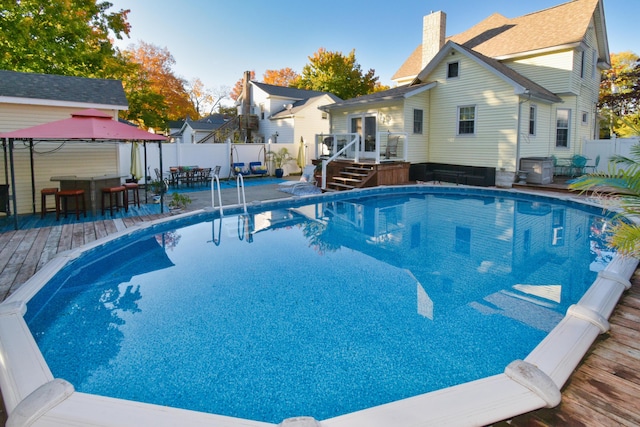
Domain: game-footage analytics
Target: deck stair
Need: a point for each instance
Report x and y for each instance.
(354, 176)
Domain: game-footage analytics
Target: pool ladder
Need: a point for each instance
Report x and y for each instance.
(215, 184)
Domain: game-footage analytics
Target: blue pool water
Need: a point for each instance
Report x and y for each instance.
(319, 309)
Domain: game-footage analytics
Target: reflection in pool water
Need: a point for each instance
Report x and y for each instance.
(319, 309)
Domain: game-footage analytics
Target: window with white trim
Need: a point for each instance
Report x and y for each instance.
(467, 120)
(533, 115)
(594, 64)
(582, 64)
(563, 118)
(585, 117)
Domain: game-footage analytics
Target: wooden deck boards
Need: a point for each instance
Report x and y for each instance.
(602, 391)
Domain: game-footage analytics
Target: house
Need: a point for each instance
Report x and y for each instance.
(30, 99)
(284, 114)
(504, 90)
(196, 131)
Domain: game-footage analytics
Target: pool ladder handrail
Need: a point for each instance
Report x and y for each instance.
(239, 187)
(216, 180)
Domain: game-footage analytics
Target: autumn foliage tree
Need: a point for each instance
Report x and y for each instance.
(156, 77)
(283, 77)
(336, 73)
(620, 93)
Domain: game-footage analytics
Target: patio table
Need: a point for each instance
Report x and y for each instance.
(92, 186)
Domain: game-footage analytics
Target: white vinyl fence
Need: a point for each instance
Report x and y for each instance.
(53, 159)
(607, 148)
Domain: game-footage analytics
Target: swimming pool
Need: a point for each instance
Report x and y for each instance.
(385, 235)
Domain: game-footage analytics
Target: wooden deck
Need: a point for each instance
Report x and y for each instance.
(602, 391)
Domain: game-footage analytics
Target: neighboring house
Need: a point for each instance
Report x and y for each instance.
(286, 114)
(503, 90)
(29, 99)
(196, 132)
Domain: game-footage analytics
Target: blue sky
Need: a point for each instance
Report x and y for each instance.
(217, 40)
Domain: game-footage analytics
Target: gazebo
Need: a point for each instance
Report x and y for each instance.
(88, 125)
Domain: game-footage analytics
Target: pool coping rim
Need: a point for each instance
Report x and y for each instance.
(32, 394)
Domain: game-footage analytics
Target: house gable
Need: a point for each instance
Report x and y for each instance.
(550, 30)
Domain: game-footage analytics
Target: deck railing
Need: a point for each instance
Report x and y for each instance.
(385, 147)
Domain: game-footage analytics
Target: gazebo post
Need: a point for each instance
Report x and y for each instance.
(146, 170)
(13, 185)
(33, 178)
(161, 169)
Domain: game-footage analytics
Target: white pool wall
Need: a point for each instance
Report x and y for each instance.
(34, 398)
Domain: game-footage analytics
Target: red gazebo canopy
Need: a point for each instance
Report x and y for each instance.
(90, 124)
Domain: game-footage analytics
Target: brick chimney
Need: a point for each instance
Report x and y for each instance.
(434, 27)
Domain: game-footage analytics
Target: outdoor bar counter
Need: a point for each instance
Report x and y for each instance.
(92, 186)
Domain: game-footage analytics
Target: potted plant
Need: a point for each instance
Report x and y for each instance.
(279, 158)
(178, 202)
(157, 188)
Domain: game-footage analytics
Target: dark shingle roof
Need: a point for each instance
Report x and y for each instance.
(287, 92)
(385, 95)
(62, 88)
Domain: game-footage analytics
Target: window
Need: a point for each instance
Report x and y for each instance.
(325, 116)
(582, 64)
(453, 69)
(585, 118)
(417, 121)
(466, 120)
(562, 127)
(532, 119)
(594, 64)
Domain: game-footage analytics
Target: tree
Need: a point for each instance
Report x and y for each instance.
(333, 72)
(205, 100)
(620, 93)
(61, 37)
(155, 69)
(283, 77)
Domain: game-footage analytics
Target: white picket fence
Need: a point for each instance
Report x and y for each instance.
(607, 148)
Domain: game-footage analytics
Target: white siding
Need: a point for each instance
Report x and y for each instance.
(21, 116)
(494, 141)
(310, 122)
(552, 71)
(418, 150)
(60, 159)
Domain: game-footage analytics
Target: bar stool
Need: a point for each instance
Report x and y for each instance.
(43, 200)
(134, 197)
(116, 192)
(62, 202)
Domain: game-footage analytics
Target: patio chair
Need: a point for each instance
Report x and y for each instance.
(257, 168)
(594, 166)
(392, 148)
(578, 164)
(238, 169)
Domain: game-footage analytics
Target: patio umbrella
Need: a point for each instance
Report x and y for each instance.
(301, 160)
(136, 164)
